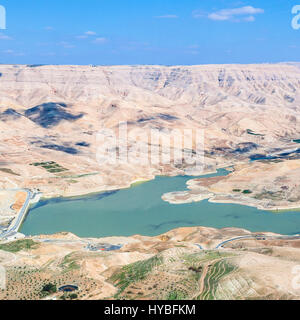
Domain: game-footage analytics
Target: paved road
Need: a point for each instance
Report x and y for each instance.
(234, 239)
(252, 237)
(15, 226)
(262, 236)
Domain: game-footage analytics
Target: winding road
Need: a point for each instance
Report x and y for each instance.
(251, 237)
(257, 237)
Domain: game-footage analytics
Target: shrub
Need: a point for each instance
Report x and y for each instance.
(49, 288)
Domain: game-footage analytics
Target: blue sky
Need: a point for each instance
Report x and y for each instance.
(168, 32)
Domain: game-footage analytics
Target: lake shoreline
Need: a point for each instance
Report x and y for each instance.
(78, 195)
(141, 210)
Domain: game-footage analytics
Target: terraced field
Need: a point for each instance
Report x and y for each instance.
(215, 274)
(174, 275)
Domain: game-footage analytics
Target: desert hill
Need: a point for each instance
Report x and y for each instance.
(53, 114)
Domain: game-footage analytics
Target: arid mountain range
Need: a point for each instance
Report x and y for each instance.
(50, 117)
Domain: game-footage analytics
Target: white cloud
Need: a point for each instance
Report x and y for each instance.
(237, 14)
(90, 33)
(82, 37)
(167, 16)
(86, 35)
(100, 40)
(13, 53)
(4, 37)
(66, 45)
(249, 19)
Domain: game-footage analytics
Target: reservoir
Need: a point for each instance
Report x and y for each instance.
(140, 210)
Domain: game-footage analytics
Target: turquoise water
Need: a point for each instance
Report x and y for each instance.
(140, 210)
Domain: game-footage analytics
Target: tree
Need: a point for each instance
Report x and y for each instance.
(49, 288)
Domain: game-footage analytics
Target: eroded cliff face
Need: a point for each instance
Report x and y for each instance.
(53, 113)
(199, 85)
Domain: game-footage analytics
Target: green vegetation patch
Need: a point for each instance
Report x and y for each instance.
(48, 289)
(80, 175)
(251, 132)
(50, 166)
(69, 264)
(72, 296)
(135, 272)
(19, 245)
(37, 164)
(176, 295)
(236, 190)
(203, 256)
(72, 181)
